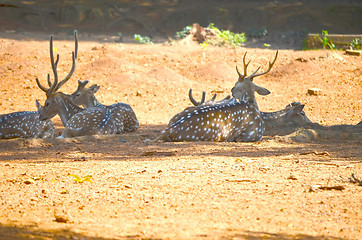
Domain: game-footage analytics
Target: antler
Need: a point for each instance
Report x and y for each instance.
(255, 74)
(74, 59)
(242, 76)
(53, 87)
(194, 101)
(203, 98)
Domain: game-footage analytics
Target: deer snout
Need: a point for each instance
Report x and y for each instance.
(42, 118)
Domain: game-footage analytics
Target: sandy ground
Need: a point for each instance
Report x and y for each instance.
(202, 190)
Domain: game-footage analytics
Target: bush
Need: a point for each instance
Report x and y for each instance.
(356, 44)
(226, 37)
(143, 40)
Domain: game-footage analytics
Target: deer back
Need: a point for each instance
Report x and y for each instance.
(123, 115)
(196, 104)
(25, 124)
(91, 121)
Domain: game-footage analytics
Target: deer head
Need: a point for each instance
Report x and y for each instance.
(85, 96)
(54, 98)
(244, 88)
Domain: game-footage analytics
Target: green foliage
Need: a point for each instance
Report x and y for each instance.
(267, 45)
(356, 44)
(226, 37)
(325, 40)
(87, 178)
(142, 39)
(183, 33)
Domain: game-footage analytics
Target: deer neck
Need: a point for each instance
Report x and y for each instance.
(92, 102)
(249, 99)
(67, 108)
(274, 116)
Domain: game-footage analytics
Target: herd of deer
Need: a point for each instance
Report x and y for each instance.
(235, 118)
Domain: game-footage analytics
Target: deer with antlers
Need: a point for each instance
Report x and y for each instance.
(77, 121)
(122, 114)
(25, 124)
(237, 119)
(281, 122)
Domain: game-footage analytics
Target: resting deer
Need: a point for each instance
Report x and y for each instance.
(77, 121)
(26, 124)
(237, 119)
(281, 122)
(122, 114)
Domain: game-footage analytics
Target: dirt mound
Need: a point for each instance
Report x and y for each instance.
(216, 72)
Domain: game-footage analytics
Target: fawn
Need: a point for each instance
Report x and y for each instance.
(26, 124)
(237, 119)
(77, 121)
(122, 114)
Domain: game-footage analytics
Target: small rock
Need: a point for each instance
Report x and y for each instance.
(314, 188)
(314, 91)
(29, 181)
(292, 177)
(138, 94)
(61, 218)
(353, 52)
(264, 168)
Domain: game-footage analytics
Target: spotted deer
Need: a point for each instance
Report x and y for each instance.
(77, 121)
(25, 124)
(122, 114)
(237, 119)
(281, 122)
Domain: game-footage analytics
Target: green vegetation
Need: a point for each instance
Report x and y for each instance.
(356, 44)
(142, 39)
(183, 33)
(325, 40)
(219, 38)
(226, 37)
(267, 45)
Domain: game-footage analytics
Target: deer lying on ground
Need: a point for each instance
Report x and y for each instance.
(237, 119)
(281, 122)
(26, 124)
(122, 114)
(77, 121)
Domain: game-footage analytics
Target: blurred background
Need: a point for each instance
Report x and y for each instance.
(163, 18)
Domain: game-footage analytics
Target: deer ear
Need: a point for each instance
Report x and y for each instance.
(298, 108)
(37, 104)
(94, 88)
(82, 83)
(262, 91)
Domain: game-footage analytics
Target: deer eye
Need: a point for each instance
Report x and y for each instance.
(46, 104)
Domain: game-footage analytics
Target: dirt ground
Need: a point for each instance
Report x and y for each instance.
(271, 189)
